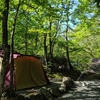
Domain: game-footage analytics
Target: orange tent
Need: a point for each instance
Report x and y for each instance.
(28, 72)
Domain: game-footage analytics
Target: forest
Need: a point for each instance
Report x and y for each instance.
(63, 32)
(51, 28)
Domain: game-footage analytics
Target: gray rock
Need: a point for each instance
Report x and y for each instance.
(46, 93)
(55, 92)
(67, 83)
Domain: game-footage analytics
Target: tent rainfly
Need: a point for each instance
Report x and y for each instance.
(28, 72)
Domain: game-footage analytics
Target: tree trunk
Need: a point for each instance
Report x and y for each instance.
(50, 56)
(12, 47)
(70, 68)
(67, 46)
(26, 34)
(5, 46)
(50, 43)
(36, 42)
(45, 50)
(53, 42)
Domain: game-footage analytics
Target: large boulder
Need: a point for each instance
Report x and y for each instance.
(67, 83)
(95, 65)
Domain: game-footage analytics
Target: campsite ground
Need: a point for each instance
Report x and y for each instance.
(86, 89)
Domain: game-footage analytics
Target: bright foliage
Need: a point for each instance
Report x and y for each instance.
(34, 20)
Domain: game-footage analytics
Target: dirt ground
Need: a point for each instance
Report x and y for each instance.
(88, 89)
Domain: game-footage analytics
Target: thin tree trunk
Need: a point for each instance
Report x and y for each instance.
(12, 47)
(54, 38)
(50, 47)
(67, 46)
(36, 42)
(26, 34)
(5, 46)
(50, 43)
(26, 44)
(45, 50)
